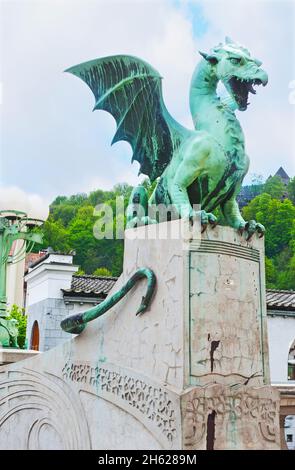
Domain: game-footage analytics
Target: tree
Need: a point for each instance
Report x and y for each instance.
(98, 197)
(64, 213)
(17, 314)
(102, 272)
(55, 235)
(59, 200)
(122, 189)
(274, 187)
(286, 277)
(80, 272)
(270, 273)
(277, 217)
(291, 190)
(78, 199)
(80, 236)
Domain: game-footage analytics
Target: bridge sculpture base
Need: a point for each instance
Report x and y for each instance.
(190, 373)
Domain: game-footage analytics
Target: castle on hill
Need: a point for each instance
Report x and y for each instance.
(249, 192)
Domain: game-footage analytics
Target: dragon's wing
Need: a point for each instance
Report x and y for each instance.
(131, 90)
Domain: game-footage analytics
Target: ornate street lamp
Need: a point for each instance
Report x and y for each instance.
(14, 225)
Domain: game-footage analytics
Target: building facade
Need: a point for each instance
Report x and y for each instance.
(281, 339)
(53, 292)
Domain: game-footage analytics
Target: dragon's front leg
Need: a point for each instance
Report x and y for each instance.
(232, 214)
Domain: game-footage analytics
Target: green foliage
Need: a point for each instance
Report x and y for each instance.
(278, 217)
(286, 276)
(102, 272)
(70, 227)
(270, 273)
(64, 213)
(17, 313)
(80, 272)
(149, 186)
(274, 187)
(55, 235)
(291, 190)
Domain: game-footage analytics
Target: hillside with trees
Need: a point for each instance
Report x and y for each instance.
(69, 227)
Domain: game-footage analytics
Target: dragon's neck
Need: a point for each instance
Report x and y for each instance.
(213, 115)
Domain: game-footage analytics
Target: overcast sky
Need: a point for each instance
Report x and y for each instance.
(52, 143)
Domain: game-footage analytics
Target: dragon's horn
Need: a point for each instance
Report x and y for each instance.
(228, 40)
(257, 62)
(212, 58)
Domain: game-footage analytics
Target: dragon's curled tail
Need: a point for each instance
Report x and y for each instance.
(76, 323)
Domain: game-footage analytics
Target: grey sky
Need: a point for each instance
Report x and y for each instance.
(51, 142)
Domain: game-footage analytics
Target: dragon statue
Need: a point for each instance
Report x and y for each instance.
(203, 167)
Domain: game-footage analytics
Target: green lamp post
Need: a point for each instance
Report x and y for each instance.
(14, 225)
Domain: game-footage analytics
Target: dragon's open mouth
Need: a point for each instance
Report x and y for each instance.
(241, 88)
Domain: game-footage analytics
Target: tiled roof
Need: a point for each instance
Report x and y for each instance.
(92, 285)
(280, 299)
(100, 286)
(32, 258)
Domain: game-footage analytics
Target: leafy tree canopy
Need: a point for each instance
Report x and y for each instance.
(274, 187)
(17, 314)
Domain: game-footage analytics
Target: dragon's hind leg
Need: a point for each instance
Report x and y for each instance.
(137, 210)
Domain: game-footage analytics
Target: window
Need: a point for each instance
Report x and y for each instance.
(291, 362)
(289, 437)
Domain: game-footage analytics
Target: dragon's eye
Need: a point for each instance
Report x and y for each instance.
(235, 60)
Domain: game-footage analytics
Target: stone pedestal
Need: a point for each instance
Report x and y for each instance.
(190, 373)
(11, 355)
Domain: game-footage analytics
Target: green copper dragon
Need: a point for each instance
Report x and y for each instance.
(204, 166)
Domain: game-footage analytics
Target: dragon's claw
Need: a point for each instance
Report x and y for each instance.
(260, 229)
(250, 228)
(206, 218)
(204, 226)
(139, 222)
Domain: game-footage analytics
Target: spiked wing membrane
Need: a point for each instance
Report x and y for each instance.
(130, 90)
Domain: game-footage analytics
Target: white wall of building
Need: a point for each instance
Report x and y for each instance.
(44, 301)
(46, 280)
(281, 334)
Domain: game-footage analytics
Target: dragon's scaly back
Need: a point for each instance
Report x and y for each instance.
(130, 90)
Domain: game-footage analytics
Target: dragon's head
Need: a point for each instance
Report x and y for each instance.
(237, 70)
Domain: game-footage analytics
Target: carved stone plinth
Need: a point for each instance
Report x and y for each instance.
(190, 373)
(219, 417)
